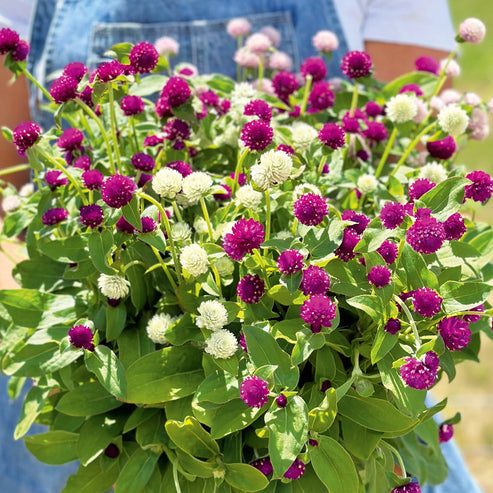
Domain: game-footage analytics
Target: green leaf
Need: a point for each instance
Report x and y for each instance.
(461, 296)
(136, 472)
(219, 387)
(100, 245)
(148, 85)
(43, 273)
(132, 214)
(95, 477)
(221, 83)
(334, 466)
(184, 330)
(358, 440)
(54, 447)
(370, 304)
(108, 370)
(293, 281)
(133, 343)
(67, 250)
(305, 345)
(382, 344)
(33, 404)
(120, 52)
(320, 418)
(116, 317)
(282, 295)
(151, 434)
(288, 428)
(245, 477)
(418, 273)
(139, 415)
(195, 466)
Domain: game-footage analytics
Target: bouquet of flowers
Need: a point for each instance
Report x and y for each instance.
(240, 287)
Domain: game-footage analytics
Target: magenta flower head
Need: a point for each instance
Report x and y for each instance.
(427, 64)
(474, 318)
(264, 465)
(321, 96)
(148, 224)
(281, 400)
(310, 209)
(379, 276)
(481, 187)
(181, 166)
(118, 190)
(176, 129)
(314, 281)
(388, 250)
(287, 149)
(356, 64)
(210, 98)
(152, 141)
(258, 107)
(70, 140)
(455, 333)
(284, 83)
(454, 227)
(392, 326)
(426, 235)
(407, 488)
(289, 262)
(251, 288)
(64, 89)
(8, 40)
(124, 226)
(314, 66)
(54, 216)
(332, 135)
(345, 251)
(77, 70)
(254, 392)
(176, 91)
(92, 179)
(415, 88)
(132, 105)
(296, 470)
(361, 220)
(143, 57)
(55, 179)
(162, 108)
(20, 51)
(375, 131)
(373, 109)
(426, 302)
(257, 135)
(443, 148)
(25, 136)
(143, 162)
(91, 215)
(419, 188)
(318, 311)
(247, 235)
(445, 433)
(81, 337)
(421, 373)
(472, 30)
(82, 162)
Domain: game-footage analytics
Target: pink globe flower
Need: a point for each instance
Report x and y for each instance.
(273, 34)
(167, 46)
(238, 27)
(472, 30)
(421, 373)
(254, 392)
(258, 43)
(325, 41)
(280, 61)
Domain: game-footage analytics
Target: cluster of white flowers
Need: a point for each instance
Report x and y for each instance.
(221, 344)
(180, 231)
(453, 120)
(158, 326)
(194, 259)
(167, 183)
(114, 287)
(196, 185)
(303, 135)
(434, 171)
(402, 108)
(225, 267)
(200, 225)
(248, 197)
(367, 184)
(213, 315)
(11, 203)
(274, 168)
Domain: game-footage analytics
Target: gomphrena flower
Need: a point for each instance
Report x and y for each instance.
(434, 171)
(260, 108)
(296, 470)
(113, 287)
(332, 135)
(481, 187)
(93, 179)
(258, 43)
(389, 251)
(176, 91)
(81, 337)
(379, 276)
(426, 302)
(246, 235)
(392, 215)
(321, 96)
(251, 288)
(273, 168)
(421, 373)
(318, 311)
(455, 333)
(419, 187)
(70, 140)
(143, 57)
(124, 226)
(194, 260)
(281, 400)
(427, 64)
(82, 162)
(453, 120)
(472, 30)
(148, 224)
(361, 220)
(248, 197)
(8, 40)
(412, 487)
(195, 186)
(367, 184)
(310, 209)
(257, 135)
(25, 136)
(54, 216)
(314, 66)
(167, 46)
(402, 108)
(426, 235)
(109, 71)
(239, 26)
(221, 344)
(11, 203)
(213, 315)
(375, 131)
(415, 88)
(445, 432)
(392, 326)
(118, 190)
(20, 51)
(373, 109)
(345, 251)
(356, 64)
(474, 318)
(443, 148)
(314, 281)
(91, 215)
(143, 162)
(325, 41)
(132, 105)
(454, 227)
(264, 465)
(63, 89)
(55, 178)
(254, 392)
(284, 83)
(289, 262)
(158, 325)
(167, 182)
(77, 70)
(181, 166)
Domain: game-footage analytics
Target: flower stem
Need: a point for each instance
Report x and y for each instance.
(206, 217)
(218, 280)
(354, 100)
(165, 268)
(321, 165)
(268, 215)
(262, 266)
(37, 84)
(14, 169)
(442, 77)
(386, 152)
(177, 211)
(134, 133)
(113, 126)
(260, 74)
(239, 167)
(405, 309)
(308, 86)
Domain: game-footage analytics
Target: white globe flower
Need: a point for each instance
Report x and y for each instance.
(472, 99)
(279, 165)
(223, 229)
(194, 259)
(26, 190)
(167, 183)
(402, 108)
(221, 344)
(453, 120)
(196, 185)
(434, 171)
(158, 325)
(303, 136)
(260, 176)
(11, 203)
(180, 231)
(367, 184)
(114, 287)
(248, 197)
(225, 267)
(304, 188)
(200, 225)
(213, 315)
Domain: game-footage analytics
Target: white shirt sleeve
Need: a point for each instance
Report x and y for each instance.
(16, 14)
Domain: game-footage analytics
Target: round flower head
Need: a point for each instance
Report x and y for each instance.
(193, 259)
(254, 392)
(281, 400)
(332, 135)
(310, 209)
(303, 135)
(221, 344)
(55, 179)
(224, 266)
(167, 183)
(132, 105)
(248, 197)
(26, 190)
(274, 168)
(453, 120)
(426, 302)
(481, 187)
(478, 124)
(454, 227)
(345, 251)
(264, 465)
(415, 88)
(257, 135)
(314, 281)
(114, 287)
(54, 216)
(325, 41)
(118, 190)
(392, 326)
(474, 318)
(472, 30)
(289, 262)
(420, 374)
(379, 276)
(434, 172)
(455, 333)
(427, 64)
(157, 327)
(143, 162)
(195, 186)
(402, 108)
(445, 433)
(25, 136)
(251, 288)
(392, 215)
(245, 58)
(11, 203)
(246, 235)
(124, 226)
(64, 89)
(318, 310)
(167, 46)
(367, 184)
(407, 488)
(285, 83)
(162, 108)
(20, 51)
(239, 26)
(109, 71)
(213, 315)
(93, 179)
(91, 215)
(361, 220)
(81, 337)
(356, 64)
(388, 250)
(443, 148)
(296, 470)
(314, 66)
(8, 40)
(375, 131)
(426, 235)
(176, 91)
(321, 96)
(258, 43)
(82, 162)
(258, 107)
(280, 61)
(419, 187)
(452, 68)
(176, 130)
(181, 166)
(373, 109)
(273, 34)
(143, 57)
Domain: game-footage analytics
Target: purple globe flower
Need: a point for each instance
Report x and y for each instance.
(455, 333)
(321, 96)
(55, 179)
(361, 221)
(162, 108)
(25, 136)
(183, 168)
(373, 109)
(389, 251)
(379, 276)
(474, 318)
(287, 149)
(242, 343)
(392, 326)
(143, 57)
(281, 400)
(132, 105)
(251, 288)
(454, 227)
(70, 140)
(109, 71)
(176, 130)
(20, 51)
(445, 433)
(296, 470)
(264, 465)
(124, 226)
(421, 373)
(81, 337)
(442, 149)
(225, 194)
(314, 66)
(481, 187)
(246, 236)
(310, 209)
(176, 91)
(345, 251)
(427, 64)
(148, 224)
(289, 262)
(91, 215)
(254, 392)
(92, 179)
(375, 131)
(257, 135)
(8, 40)
(64, 89)
(117, 190)
(314, 281)
(82, 162)
(356, 64)
(284, 83)
(86, 96)
(54, 216)
(414, 88)
(318, 311)
(258, 107)
(77, 70)
(152, 141)
(419, 188)
(143, 162)
(426, 235)
(407, 488)
(426, 302)
(210, 98)
(332, 135)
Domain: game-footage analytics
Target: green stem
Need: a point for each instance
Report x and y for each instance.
(321, 165)
(239, 167)
(260, 74)
(177, 211)
(335, 211)
(262, 266)
(134, 133)
(293, 229)
(207, 218)
(268, 215)
(113, 126)
(386, 152)
(412, 323)
(397, 456)
(37, 84)
(175, 477)
(217, 277)
(308, 86)
(165, 268)
(14, 169)
(354, 100)
(442, 77)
